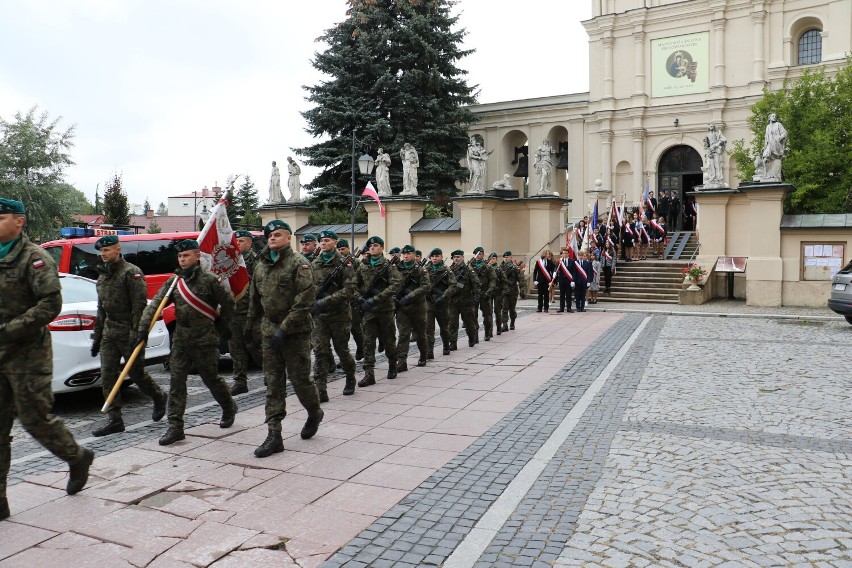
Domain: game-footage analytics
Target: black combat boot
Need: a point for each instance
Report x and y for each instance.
(323, 394)
(228, 416)
(172, 435)
(159, 408)
(430, 354)
(369, 379)
(349, 387)
(472, 342)
(487, 337)
(422, 361)
(239, 387)
(113, 425)
(273, 444)
(506, 327)
(454, 346)
(499, 329)
(446, 350)
(312, 424)
(392, 370)
(512, 324)
(401, 367)
(381, 346)
(5, 513)
(78, 473)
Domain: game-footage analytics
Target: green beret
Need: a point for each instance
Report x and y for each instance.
(436, 251)
(374, 241)
(492, 255)
(457, 252)
(418, 253)
(327, 235)
(308, 238)
(274, 225)
(478, 250)
(342, 243)
(186, 244)
(408, 248)
(11, 206)
(106, 241)
(242, 233)
(507, 253)
(394, 250)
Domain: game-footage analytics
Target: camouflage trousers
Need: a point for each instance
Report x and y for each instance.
(293, 361)
(325, 334)
(441, 314)
(378, 326)
(411, 319)
(498, 309)
(357, 330)
(197, 346)
(487, 309)
(468, 316)
(115, 346)
(242, 354)
(30, 396)
(509, 303)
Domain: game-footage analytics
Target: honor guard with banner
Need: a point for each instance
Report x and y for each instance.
(283, 293)
(442, 283)
(487, 289)
(411, 309)
(242, 351)
(122, 297)
(464, 302)
(31, 298)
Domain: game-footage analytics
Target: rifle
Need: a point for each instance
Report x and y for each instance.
(403, 291)
(329, 280)
(382, 275)
(437, 281)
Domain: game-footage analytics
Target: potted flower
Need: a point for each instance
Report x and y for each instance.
(694, 273)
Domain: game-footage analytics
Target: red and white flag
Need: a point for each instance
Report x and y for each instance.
(220, 253)
(370, 192)
(572, 246)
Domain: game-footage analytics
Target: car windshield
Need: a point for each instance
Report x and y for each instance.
(78, 290)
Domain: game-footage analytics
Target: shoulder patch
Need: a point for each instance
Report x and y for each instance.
(38, 263)
(137, 276)
(305, 267)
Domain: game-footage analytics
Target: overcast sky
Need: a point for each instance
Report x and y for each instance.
(176, 95)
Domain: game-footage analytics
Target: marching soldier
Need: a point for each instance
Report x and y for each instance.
(283, 293)
(418, 258)
(32, 297)
(378, 282)
(499, 290)
(334, 280)
(309, 246)
(464, 302)
(122, 297)
(394, 253)
(196, 297)
(488, 287)
(411, 308)
(357, 332)
(243, 351)
(514, 281)
(442, 284)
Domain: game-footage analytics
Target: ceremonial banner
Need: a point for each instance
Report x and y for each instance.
(219, 251)
(370, 192)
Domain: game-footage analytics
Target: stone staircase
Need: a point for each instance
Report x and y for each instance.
(644, 281)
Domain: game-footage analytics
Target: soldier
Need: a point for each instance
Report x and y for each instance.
(196, 297)
(32, 297)
(283, 293)
(395, 253)
(442, 284)
(334, 280)
(510, 296)
(357, 332)
(122, 297)
(411, 309)
(464, 302)
(499, 291)
(242, 351)
(418, 258)
(488, 288)
(378, 282)
(309, 246)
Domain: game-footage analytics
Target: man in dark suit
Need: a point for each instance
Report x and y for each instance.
(664, 204)
(582, 275)
(565, 279)
(674, 212)
(542, 276)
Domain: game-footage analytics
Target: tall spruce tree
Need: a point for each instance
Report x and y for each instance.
(116, 208)
(393, 79)
(98, 207)
(243, 204)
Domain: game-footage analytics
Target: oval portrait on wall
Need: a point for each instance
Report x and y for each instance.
(678, 63)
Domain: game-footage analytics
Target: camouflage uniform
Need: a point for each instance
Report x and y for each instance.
(499, 292)
(196, 339)
(443, 287)
(464, 304)
(122, 297)
(510, 294)
(411, 312)
(333, 317)
(357, 319)
(378, 306)
(242, 353)
(31, 298)
(488, 286)
(283, 293)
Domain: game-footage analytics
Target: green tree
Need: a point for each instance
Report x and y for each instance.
(154, 227)
(33, 158)
(393, 78)
(162, 210)
(98, 208)
(146, 207)
(815, 110)
(331, 216)
(73, 200)
(116, 207)
(244, 203)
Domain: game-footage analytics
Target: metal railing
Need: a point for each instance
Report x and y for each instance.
(534, 257)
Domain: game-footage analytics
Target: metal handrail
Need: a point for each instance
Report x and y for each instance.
(531, 259)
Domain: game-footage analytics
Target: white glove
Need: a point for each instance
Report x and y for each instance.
(535, 283)
(572, 284)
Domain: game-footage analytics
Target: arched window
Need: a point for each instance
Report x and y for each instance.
(810, 47)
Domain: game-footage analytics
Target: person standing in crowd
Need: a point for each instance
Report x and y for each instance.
(663, 205)
(32, 297)
(627, 239)
(418, 258)
(499, 290)
(411, 309)
(309, 246)
(243, 351)
(203, 312)
(565, 278)
(674, 211)
(595, 279)
(514, 281)
(582, 274)
(334, 280)
(357, 333)
(542, 277)
(395, 253)
(488, 287)
(464, 302)
(283, 294)
(122, 297)
(610, 256)
(378, 282)
(661, 237)
(442, 284)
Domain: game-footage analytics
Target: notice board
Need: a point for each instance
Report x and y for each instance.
(822, 260)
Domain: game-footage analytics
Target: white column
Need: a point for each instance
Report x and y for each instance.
(639, 62)
(638, 159)
(608, 79)
(719, 39)
(757, 19)
(606, 158)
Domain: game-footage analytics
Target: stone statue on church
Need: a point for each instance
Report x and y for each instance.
(410, 163)
(275, 195)
(383, 162)
(774, 145)
(503, 184)
(543, 165)
(476, 158)
(293, 182)
(714, 152)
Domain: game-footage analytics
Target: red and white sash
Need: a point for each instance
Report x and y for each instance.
(579, 266)
(657, 226)
(543, 269)
(195, 302)
(564, 270)
(607, 255)
(629, 230)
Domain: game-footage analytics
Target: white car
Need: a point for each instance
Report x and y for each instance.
(74, 368)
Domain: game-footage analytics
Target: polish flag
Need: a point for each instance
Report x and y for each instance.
(220, 253)
(370, 192)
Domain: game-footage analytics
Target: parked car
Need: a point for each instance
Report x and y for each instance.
(841, 292)
(74, 368)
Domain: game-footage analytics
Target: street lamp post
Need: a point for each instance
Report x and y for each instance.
(195, 209)
(365, 166)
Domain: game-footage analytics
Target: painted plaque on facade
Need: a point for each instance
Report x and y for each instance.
(680, 65)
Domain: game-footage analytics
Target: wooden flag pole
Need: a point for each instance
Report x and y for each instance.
(139, 348)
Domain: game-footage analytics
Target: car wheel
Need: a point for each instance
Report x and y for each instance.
(849, 319)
